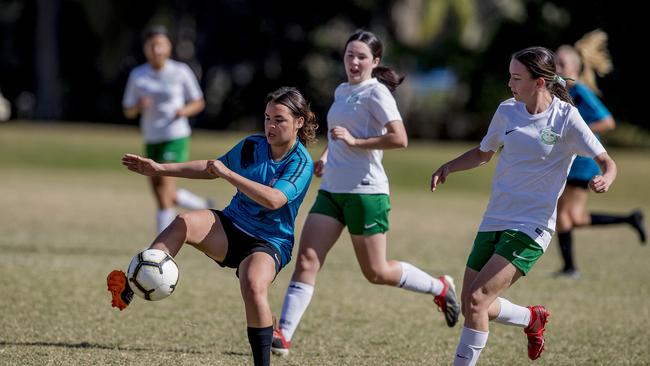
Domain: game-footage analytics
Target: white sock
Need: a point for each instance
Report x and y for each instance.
(470, 346)
(415, 279)
(164, 218)
(512, 314)
(295, 303)
(189, 200)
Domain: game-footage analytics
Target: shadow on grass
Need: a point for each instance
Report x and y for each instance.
(44, 249)
(232, 353)
(87, 345)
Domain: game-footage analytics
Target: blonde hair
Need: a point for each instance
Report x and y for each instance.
(594, 57)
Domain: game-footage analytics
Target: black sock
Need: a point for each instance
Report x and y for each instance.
(606, 219)
(566, 249)
(260, 340)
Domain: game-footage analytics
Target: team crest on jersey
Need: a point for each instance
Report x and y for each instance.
(168, 82)
(548, 136)
(352, 99)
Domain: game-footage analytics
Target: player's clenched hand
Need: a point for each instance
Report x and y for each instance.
(599, 184)
(439, 177)
(144, 103)
(342, 133)
(140, 165)
(217, 169)
(319, 166)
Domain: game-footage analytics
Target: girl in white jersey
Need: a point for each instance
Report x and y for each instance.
(165, 93)
(539, 133)
(362, 121)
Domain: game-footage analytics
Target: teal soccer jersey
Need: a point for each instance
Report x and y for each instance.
(251, 158)
(591, 110)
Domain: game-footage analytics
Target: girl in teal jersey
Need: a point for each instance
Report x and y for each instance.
(581, 63)
(272, 174)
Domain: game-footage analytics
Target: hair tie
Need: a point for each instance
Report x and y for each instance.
(560, 80)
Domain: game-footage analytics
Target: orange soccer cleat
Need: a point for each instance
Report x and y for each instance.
(119, 289)
(280, 346)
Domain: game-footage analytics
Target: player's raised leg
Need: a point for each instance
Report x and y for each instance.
(201, 229)
(371, 255)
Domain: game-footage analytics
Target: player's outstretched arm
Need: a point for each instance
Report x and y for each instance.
(266, 196)
(471, 159)
(196, 169)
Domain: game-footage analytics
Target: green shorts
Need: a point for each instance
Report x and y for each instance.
(173, 151)
(364, 214)
(515, 246)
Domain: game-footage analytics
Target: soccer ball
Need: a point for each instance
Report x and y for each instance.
(152, 274)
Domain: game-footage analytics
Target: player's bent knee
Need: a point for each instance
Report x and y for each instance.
(184, 219)
(307, 263)
(189, 224)
(253, 289)
(476, 303)
(579, 220)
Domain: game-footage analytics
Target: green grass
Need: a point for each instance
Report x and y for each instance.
(69, 213)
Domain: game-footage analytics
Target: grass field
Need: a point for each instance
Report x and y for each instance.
(69, 213)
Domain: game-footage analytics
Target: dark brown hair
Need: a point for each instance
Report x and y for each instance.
(155, 30)
(299, 107)
(384, 74)
(540, 62)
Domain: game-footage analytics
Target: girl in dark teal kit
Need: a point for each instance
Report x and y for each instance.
(254, 233)
(581, 63)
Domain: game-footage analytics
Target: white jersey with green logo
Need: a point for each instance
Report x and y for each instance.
(363, 109)
(533, 165)
(170, 89)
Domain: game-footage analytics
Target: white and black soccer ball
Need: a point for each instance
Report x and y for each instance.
(152, 274)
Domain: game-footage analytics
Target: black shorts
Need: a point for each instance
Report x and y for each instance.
(241, 245)
(578, 183)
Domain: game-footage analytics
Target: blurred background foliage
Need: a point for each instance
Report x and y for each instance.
(69, 59)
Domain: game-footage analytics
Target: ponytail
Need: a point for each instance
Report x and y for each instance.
(556, 88)
(592, 51)
(388, 77)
